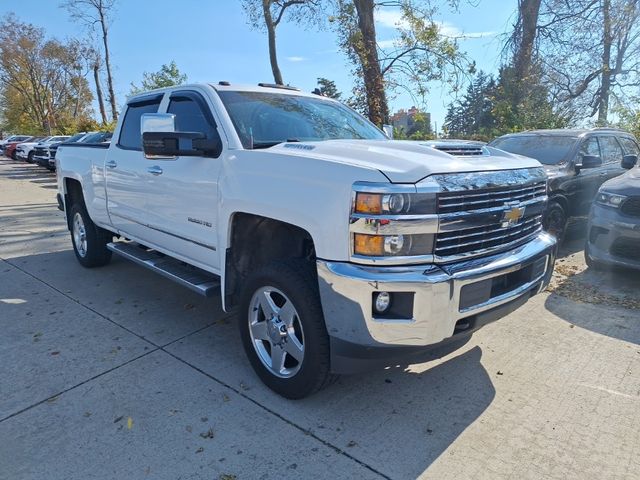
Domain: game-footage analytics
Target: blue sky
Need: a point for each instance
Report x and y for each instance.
(210, 40)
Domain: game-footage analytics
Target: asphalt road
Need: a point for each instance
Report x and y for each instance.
(116, 373)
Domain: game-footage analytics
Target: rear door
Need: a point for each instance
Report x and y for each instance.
(612, 154)
(126, 172)
(183, 192)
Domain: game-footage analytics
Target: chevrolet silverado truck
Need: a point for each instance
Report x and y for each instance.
(336, 246)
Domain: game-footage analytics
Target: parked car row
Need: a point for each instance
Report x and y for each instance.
(577, 163)
(42, 150)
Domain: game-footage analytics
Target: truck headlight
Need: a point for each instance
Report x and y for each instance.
(609, 199)
(402, 245)
(394, 203)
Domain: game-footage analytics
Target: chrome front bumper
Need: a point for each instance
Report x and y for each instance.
(347, 289)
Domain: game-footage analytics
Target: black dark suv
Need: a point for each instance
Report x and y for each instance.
(577, 163)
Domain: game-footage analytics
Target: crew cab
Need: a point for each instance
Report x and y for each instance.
(337, 246)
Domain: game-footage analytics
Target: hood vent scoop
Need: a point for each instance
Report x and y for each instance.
(463, 150)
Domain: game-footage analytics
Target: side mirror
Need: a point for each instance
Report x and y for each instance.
(589, 161)
(388, 130)
(629, 161)
(160, 140)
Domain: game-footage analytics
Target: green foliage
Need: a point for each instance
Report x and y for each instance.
(168, 76)
(628, 116)
(490, 108)
(328, 88)
(43, 88)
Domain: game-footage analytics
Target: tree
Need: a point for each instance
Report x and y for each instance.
(420, 54)
(328, 88)
(491, 107)
(591, 52)
(472, 115)
(168, 76)
(93, 13)
(42, 84)
(523, 46)
(269, 13)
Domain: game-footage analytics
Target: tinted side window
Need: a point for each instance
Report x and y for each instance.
(590, 147)
(611, 150)
(630, 147)
(130, 136)
(190, 117)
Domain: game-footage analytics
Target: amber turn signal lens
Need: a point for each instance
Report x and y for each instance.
(368, 203)
(370, 245)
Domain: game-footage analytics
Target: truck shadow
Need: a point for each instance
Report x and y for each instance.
(399, 419)
(603, 301)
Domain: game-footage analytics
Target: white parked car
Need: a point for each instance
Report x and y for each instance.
(339, 247)
(24, 150)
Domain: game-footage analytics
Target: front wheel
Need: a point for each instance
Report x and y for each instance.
(30, 157)
(283, 331)
(89, 241)
(555, 221)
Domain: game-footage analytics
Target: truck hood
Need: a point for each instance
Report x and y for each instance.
(403, 161)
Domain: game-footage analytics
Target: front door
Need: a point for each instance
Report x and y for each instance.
(588, 180)
(126, 172)
(182, 203)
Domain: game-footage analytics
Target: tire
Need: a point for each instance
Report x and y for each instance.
(89, 241)
(14, 156)
(592, 264)
(555, 221)
(30, 157)
(292, 290)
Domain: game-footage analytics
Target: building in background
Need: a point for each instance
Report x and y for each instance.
(412, 123)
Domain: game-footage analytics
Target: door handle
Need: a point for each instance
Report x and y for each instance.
(155, 170)
(111, 164)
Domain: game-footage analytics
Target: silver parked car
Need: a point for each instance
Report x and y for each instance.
(614, 221)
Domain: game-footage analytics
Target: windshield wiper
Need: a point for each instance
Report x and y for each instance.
(257, 145)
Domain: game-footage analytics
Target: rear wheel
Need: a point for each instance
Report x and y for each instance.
(283, 331)
(555, 221)
(89, 241)
(30, 157)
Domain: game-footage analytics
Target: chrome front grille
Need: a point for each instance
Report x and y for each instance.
(480, 239)
(484, 212)
(470, 200)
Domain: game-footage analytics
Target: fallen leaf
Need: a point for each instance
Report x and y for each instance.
(200, 450)
(129, 423)
(208, 434)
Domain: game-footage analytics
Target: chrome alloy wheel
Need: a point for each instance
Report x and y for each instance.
(79, 235)
(276, 332)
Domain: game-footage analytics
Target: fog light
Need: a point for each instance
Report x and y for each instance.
(381, 302)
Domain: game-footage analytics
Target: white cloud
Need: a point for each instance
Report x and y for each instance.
(389, 18)
(296, 59)
(393, 19)
(387, 43)
(449, 30)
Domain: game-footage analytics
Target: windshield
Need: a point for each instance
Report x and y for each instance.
(75, 138)
(547, 149)
(263, 120)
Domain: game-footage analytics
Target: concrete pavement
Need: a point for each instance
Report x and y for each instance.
(118, 373)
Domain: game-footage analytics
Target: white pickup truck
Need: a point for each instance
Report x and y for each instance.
(338, 246)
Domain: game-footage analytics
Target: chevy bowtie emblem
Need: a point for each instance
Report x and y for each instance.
(511, 217)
